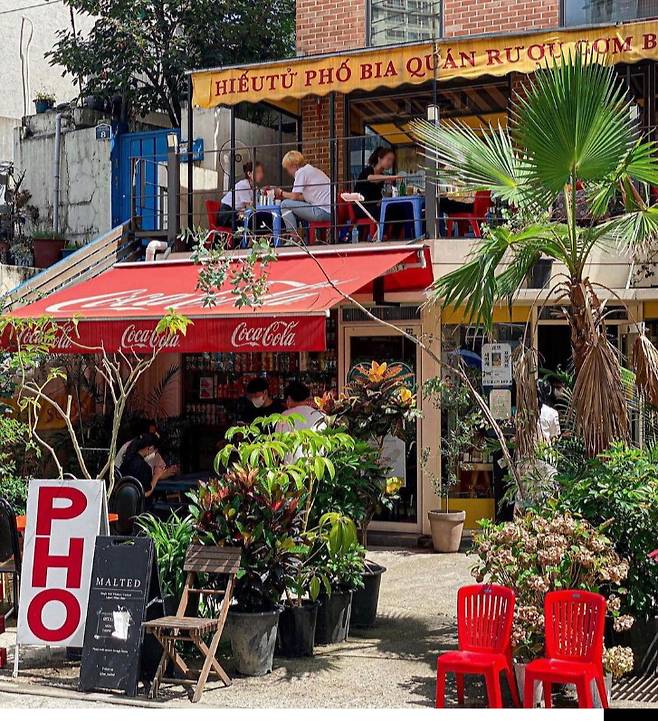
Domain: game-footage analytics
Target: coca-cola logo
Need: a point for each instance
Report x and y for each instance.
(32, 336)
(134, 338)
(143, 300)
(278, 334)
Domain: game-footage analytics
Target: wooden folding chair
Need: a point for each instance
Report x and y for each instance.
(212, 560)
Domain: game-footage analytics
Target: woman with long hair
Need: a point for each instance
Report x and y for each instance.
(134, 463)
(370, 183)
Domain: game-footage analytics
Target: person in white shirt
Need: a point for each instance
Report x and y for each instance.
(298, 402)
(549, 418)
(244, 195)
(310, 198)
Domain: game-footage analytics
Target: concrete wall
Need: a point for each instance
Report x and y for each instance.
(13, 275)
(22, 79)
(85, 173)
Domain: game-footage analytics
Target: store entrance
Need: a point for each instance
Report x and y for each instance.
(363, 345)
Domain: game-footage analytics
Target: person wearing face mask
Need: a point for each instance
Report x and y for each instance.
(259, 402)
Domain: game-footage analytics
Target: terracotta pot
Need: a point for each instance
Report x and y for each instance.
(447, 529)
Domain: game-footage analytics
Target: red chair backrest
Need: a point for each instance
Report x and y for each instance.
(574, 622)
(484, 618)
(481, 203)
(212, 208)
(344, 213)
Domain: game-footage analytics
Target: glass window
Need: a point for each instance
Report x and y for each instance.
(590, 12)
(399, 21)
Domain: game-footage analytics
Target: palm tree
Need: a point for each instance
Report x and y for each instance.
(573, 141)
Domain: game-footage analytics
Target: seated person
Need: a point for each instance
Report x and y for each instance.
(370, 184)
(134, 464)
(310, 198)
(155, 460)
(258, 402)
(244, 195)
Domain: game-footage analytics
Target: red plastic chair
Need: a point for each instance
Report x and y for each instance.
(484, 627)
(574, 622)
(354, 219)
(342, 218)
(212, 209)
(481, 206)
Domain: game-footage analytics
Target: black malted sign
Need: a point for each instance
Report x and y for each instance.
(123, 582)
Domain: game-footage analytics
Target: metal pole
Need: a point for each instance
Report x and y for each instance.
(173, 190)
(332, 160)
(432, 200)
(231, 172)
(56, 170)
(190, 154)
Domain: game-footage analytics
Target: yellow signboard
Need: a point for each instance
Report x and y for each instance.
(416, 64)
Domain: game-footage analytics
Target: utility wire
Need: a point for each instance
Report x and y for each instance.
(29, 7)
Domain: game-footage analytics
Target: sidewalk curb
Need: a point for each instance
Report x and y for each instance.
(71, 694)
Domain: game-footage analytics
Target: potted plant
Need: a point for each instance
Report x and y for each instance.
(47, 247)
(543, 551)
(262, 503)
(376, 404)
(298, 621)
(44, 100)
(69, 249)
(342, 565)
(171, 539)
(461, 424)
(360, 483)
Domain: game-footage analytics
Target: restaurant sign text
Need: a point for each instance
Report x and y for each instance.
(418, 63)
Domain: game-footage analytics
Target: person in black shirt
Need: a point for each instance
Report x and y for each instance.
(258, 402)
(134, 463)
(370, 184)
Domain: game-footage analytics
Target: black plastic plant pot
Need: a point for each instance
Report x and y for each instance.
(333, 618)
(296, 634)
(365, 600)
(253, 638)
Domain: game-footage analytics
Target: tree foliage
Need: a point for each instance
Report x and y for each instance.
(139, 50)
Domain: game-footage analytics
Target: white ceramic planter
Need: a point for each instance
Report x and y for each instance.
(519, 672)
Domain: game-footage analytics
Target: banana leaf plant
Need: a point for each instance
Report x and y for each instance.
(575, 171)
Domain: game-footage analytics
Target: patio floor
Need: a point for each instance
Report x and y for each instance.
(392, 665)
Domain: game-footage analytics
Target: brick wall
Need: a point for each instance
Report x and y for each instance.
(327, 26)
(315, 135)
(471, 17)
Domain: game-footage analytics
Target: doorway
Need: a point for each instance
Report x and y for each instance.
(363, 344)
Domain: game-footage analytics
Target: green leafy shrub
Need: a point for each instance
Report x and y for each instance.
(618, 491)
(17, 458)
(171, 539)
(264, 502)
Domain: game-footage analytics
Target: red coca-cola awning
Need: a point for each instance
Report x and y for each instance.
(120, 308)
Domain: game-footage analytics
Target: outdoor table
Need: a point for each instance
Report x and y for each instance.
(417, 203)
(180, 484)
(22, 520)
(277, 221)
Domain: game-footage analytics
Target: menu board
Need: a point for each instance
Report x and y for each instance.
(496, 364)
(123, 581)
